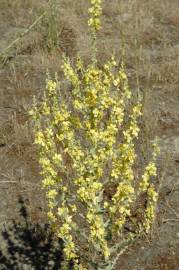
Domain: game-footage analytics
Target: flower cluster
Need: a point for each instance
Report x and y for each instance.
(99, 98)
(147, 186)
(122, 168)
(84, 146)
(47, 134)
(95, 12)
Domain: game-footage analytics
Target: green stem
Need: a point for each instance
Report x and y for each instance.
(94, 49)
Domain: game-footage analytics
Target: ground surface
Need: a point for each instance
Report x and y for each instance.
(150, 31)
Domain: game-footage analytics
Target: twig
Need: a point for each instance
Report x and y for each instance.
(129, 241)
(5, 182)
(14, 42)
(170, 219)
(173, 210)
(2, 55)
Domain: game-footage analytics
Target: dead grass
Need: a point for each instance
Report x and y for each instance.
(21, 12)
(149, 32)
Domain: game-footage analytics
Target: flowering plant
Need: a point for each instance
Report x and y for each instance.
(85, 150)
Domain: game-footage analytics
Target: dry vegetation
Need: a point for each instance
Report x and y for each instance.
(149, 32)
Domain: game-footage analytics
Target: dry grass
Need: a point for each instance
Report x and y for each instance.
(149, 32)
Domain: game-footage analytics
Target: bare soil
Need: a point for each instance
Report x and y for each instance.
(149, 31)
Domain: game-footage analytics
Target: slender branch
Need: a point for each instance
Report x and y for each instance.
(5, 182)
(170, 220)
(14, 42)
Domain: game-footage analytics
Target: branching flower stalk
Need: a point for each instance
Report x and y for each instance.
(94, 24)
(85, 147)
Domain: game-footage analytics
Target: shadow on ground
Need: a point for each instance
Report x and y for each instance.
(29, 246)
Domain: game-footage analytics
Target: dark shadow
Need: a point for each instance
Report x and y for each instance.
(26, 246)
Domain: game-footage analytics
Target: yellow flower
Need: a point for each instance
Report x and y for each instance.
(57, 158)
(95, 12)
(48, 182)
(73, 208)
(153, 195)
(51, 216)
(116, 82)
(51, 86)
(77, 104)
(151, 169)
(51, 194)
(83, 147)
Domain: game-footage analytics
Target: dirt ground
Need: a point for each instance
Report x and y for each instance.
(149, 29)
